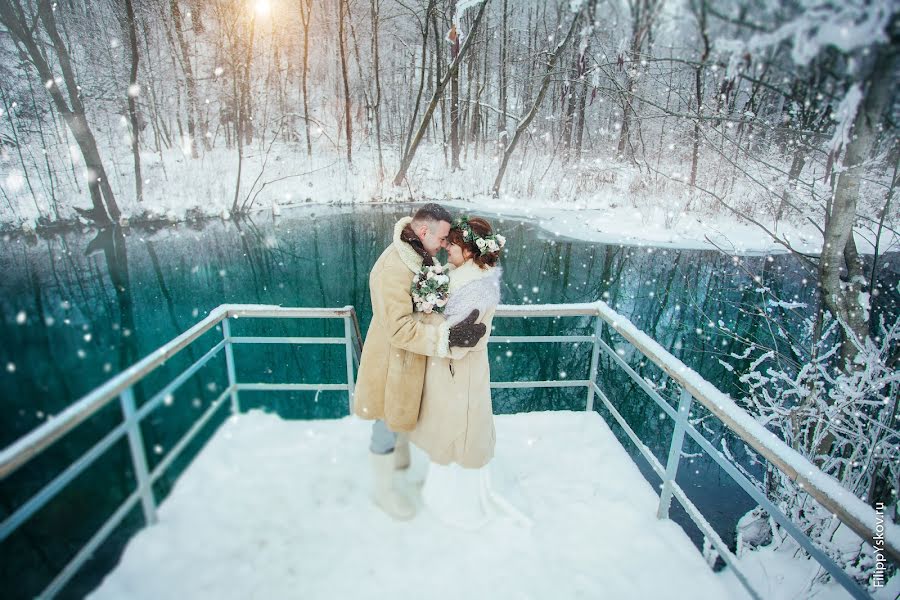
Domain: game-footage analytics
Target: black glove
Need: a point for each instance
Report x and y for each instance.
(467, 332)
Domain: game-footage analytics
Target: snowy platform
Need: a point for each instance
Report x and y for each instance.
(280, 509)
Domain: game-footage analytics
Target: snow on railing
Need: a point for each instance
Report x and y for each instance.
(856, 514)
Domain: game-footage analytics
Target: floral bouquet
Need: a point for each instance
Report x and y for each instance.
(429, 289)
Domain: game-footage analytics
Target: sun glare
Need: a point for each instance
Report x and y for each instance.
(262, 7)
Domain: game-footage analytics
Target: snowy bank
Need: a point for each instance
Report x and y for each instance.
(595, 201)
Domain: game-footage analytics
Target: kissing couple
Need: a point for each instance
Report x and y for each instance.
(424, 375)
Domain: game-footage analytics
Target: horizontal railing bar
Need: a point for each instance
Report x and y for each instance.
(325, 387)
(539, 384)
(856, 514)
(530, 339)
(285, 340)
(49, 491)
(187, 437)
(31, 444)
(283, 312)
(546, 310)
(87, 551)
(173, 385)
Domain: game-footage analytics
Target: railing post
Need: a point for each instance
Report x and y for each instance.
(595, 359)
(348, 344)
(138, 457)
(665, 496)
(229, 364)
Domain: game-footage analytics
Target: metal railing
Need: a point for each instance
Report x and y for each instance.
(849, 509)
(122, 386)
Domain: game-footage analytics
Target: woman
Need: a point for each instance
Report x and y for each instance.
(456, 422)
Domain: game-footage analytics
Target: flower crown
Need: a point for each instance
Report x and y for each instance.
(487, 244)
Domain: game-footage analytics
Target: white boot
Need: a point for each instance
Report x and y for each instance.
(386, 497)
(401, 452)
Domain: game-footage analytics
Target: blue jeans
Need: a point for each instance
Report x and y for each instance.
(383, 439)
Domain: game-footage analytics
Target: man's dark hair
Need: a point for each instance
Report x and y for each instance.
(432, 212)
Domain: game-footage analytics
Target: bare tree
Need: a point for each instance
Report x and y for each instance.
(504, 54)
(438, 92)
(133, 91)
(189, 76)
(376, 68)
(343, 52)
(700, 8)
(643, 16)
(305, 12)
(24, 29)
(453, 36)
(529, 116)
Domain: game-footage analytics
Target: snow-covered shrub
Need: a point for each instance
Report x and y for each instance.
(844, 420)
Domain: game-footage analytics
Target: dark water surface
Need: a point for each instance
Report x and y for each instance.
(77, 308)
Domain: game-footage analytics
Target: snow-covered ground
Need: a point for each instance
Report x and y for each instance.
(280, 509)
(599, 200)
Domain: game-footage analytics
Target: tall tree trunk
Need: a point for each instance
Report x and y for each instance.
(133, 91)
(583, 53)
(454, 91)
(343, 53)
(643, 13)
(504, 42)
(241, 91)
(625, 131)
(189, 77)
(377, 68)
(305, 11)
(796, 168)
(438, 92)
(526, 121)
(579, 129)
(839, 249)
(571, 102)
(438, 62)
(700, 12)
(412, 121)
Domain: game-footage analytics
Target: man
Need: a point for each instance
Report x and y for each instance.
(392, 367)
